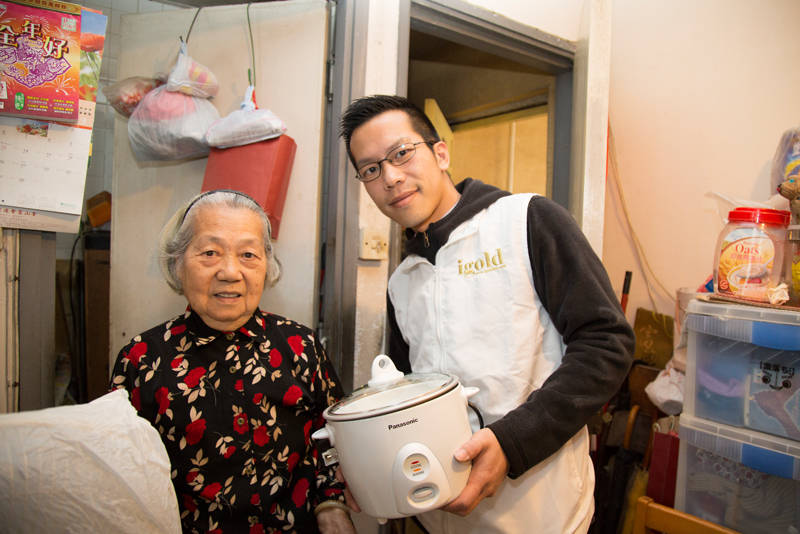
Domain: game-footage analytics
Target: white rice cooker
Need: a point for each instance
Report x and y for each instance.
(395, 438)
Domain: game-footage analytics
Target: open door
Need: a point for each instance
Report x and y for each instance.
(575, 81)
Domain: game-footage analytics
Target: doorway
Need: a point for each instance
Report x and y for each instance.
(496, 108)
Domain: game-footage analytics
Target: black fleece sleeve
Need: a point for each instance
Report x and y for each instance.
(575, 290)
(398, 348)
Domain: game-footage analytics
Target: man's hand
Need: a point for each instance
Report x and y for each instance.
(489, 468)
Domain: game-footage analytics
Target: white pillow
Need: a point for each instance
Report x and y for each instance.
(95, 467)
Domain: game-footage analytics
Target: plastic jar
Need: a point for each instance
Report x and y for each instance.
(749, 255)
(791, 273)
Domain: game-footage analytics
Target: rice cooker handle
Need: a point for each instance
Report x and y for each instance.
(384, 372)
(469, 392)
(329, 456)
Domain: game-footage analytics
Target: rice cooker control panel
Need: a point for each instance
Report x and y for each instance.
(416, 467)
(419, 482)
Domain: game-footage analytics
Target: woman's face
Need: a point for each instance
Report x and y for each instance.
(224, 267)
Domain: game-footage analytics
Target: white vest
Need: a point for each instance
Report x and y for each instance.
(475, 314)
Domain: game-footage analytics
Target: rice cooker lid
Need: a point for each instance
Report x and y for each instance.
(389, 391)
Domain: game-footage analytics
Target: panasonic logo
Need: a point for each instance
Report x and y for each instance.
(404, 423)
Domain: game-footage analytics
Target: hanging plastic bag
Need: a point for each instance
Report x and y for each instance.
(170, 126)
(191, 78)
(786, 161)
(666, 391)
(245, 125)
(126, 94)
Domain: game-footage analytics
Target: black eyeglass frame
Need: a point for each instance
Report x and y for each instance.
(380, 167)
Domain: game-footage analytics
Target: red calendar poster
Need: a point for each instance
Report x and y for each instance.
(40, 44)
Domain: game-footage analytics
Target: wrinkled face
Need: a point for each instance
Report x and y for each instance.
(415, 193)
(224, 267)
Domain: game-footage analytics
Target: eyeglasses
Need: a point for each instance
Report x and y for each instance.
(397, 156)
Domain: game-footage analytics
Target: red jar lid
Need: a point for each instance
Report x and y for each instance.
(760, 215)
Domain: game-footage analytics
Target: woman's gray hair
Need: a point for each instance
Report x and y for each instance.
(178, 232)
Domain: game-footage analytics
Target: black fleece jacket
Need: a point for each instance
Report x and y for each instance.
(574, 288)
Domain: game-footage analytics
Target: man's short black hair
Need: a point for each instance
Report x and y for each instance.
(365, 108)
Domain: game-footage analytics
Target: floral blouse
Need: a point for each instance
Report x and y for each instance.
(236, 411)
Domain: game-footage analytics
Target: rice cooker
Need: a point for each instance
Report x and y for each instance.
(395, 437)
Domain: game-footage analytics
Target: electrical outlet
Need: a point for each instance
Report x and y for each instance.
(374, 246)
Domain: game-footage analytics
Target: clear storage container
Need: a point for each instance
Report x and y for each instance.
(743, 479)
(743, 367)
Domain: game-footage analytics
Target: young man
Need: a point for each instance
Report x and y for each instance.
(505, 292)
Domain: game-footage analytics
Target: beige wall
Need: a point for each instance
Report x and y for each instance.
(700, 95)
(557, 17)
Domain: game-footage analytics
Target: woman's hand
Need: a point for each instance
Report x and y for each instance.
(489, 469)
(335, 521)
(348, 497)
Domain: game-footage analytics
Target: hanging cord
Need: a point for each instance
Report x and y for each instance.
(192, 25)
(612, 149)
(252, 50)
(251, 72)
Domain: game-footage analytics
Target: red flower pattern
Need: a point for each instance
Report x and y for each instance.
(136, 352)
(257, 398)
(136, 399)
(275, 358)
(162, 398)
(239, 385)
(240, 424)
(258, 528)
(210, 491)
(179, 329)
(229, 451)
(292, 461)
(194, 376)
(195, 431)
(292, 395)
(176, 362)
(296, 343)
(300, 491)
(255, 499)
(189, 503)
(260, 436)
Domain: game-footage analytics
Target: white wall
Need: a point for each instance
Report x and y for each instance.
(98, 175)
(557, 17)
(700, 95)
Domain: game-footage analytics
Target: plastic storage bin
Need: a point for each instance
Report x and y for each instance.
(743, 479)
(743, 367)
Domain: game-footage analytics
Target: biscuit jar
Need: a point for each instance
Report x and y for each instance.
(749, 255)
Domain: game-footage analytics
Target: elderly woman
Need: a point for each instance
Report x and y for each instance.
(234, 391)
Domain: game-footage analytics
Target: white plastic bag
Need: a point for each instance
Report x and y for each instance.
(126, 94)
(666, 391)
(191, 78)
(170, 126)
(95, 467)
(245, 125)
